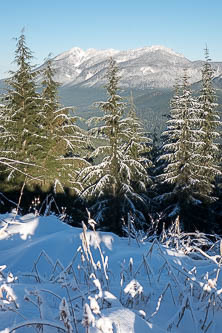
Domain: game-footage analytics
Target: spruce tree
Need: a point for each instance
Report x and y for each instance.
(117, 182)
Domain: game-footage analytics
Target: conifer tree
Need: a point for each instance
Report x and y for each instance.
(180, 152)
(139, 144)
(44, 137)
(7, 163)
(117, 183)
(209, 132)
(65, 142)
(22, 105)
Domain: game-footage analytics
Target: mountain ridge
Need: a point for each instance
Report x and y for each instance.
(148, 73)
(148, 67)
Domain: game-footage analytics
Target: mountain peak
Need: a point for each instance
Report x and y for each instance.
(155, 48)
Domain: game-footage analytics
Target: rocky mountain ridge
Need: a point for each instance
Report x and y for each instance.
(148, 67)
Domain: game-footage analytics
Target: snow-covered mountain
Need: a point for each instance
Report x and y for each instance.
(148, 67)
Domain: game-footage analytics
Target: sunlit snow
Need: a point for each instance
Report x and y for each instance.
(58, 277)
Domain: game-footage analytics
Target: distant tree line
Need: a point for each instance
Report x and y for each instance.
(114, 169)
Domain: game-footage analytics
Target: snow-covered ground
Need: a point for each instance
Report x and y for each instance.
(56, 278)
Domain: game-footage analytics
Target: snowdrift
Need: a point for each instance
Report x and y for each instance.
(56, 278)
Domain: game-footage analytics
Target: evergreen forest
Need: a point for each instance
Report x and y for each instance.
(111, 169)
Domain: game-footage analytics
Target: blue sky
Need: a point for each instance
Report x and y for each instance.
(54, 26)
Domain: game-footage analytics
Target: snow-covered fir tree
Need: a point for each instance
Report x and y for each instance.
(181, 153)
(22, 105)
(209, 132)
(139, 145)
(65, 142)
(118, 179)
(44, 137)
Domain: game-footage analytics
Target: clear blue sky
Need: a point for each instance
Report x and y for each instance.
(54, 26)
